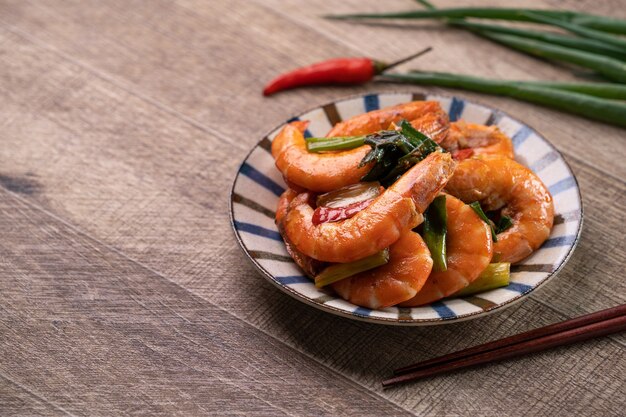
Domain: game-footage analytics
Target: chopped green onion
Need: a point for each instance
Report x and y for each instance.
(504, 223)
(435, 231)
(496, 275)
(476, 207)
(334, 144)
(608, 111)
(337, 272)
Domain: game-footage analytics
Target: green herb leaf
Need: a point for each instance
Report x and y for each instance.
(476, 207)
(395, 152)
(504, 223)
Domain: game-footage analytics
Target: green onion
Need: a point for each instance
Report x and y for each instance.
(504, 223)
(608, 111)
(603, 23)
(476, 207)
(605, 90)
(334, 144)
(611, 68)
(337, 272)
(590, 45)
(435, 231)
(394, 152)
(443, 79)
(496, 275)
(414, 136)
(426, 4)
(580, 30)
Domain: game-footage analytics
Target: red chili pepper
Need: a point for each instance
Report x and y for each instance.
(334, 214)
(333, 71)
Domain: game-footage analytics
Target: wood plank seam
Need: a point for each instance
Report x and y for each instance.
(35, 394)
(79, 231)
(289, 17)
(122, 85)
(105, 76)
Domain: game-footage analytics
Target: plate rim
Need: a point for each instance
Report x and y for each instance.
(413, 322)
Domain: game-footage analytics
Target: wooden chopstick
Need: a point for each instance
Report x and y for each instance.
(586, 327)
(609, 313)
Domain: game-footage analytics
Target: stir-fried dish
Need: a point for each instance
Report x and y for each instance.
(400, 206)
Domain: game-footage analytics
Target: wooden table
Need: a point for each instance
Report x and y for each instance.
(123, 290)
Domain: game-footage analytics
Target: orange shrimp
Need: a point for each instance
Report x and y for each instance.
(398, 280)
(376, 120)
(309, 265)
(482, 140)
(501, 183)
(315, 171)
(469, 250)
(394, 212)
(328, 171)
(435, 125)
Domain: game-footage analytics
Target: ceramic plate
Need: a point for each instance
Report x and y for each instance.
(258, 185)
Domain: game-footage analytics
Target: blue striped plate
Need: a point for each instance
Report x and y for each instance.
(258, 185)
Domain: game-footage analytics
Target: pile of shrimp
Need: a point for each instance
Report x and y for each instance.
(477, 164)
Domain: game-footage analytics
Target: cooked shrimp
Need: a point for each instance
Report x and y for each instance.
(315, 171)
(398, 280)
(482, 140)
(435, 125)
(283, 204)
(309, 265)
(501, 183)
(328, 171)
(394, 212)
(376, 120)
(469, 250)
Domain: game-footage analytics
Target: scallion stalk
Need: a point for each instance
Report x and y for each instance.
(496, 275)
(603, 23)
(334, 144)
(580, 30)
(589, 45)
(610, 68)
(337, 272)
(576, 101)
(435, 231)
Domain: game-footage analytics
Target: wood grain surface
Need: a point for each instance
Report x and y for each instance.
(123, 290)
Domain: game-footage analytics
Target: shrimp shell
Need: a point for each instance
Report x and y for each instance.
(394, 212)
(483, 140)
(502, 183)
(319, 172)
(309, 265)
(398, 280)
(376, 120)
